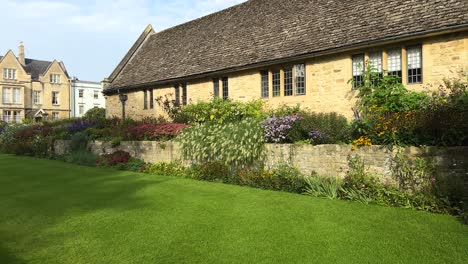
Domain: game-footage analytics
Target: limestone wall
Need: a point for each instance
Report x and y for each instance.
(327, 160)
(327, 87)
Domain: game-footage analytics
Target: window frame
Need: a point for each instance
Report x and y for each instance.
(57, 101)
(288, 81)
(216, 87)
(9, 74)
(421, 75)
(55, 78)
(265, 84)
(145, 99)
(276, 82)
(16, 116)
(55, 115)
(177, 94)
(7, 95)
(399, 73)
(358, 81)
(184, 93)
(5, 117)
(151, 98)
(13, 95)
(225, 87)
(296, 81)
(37, 97)
(96, 95)
(379, 54)
(80, 93)
(81, 109)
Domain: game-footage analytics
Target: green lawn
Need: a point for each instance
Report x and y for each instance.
(53, 212)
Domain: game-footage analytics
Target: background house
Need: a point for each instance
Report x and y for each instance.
(292, 52)
(85, 95)
(32, 88)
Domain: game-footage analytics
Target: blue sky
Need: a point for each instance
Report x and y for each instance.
(91, 36)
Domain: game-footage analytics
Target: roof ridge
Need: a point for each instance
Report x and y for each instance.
(202, 17)
(264, 31)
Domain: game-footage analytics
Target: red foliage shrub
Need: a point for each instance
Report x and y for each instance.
(113, 159)
(30, 132)
(153, 131)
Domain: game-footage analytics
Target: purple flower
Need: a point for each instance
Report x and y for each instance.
(317, 137)
(277, 128)
(79, 126)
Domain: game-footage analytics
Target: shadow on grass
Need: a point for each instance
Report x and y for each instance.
(35, 194)
(7, 257)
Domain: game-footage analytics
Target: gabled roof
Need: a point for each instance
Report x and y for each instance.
(260, 31)
(148, 31)
(39, 67)
(36, 67)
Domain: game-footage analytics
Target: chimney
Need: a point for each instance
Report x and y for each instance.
(21, 57)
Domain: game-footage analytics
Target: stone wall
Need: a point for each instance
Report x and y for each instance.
(327, 160)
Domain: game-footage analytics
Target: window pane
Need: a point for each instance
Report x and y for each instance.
(414, 60)
(177, 94)
(151, 99)
(145, 99)
(225, 88)
(17, 116)
(299, 70)
(184, 94)
(375, 60)
(265, 88)
(394, 62)
(55, 99)
(216, 87)
(276, 83)
(37, 97)
(358, 69)
(16, 96)
(6, 95)
(288, 87)
(7, 116)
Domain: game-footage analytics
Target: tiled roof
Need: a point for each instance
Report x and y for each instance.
(259, 31)
(36, 67)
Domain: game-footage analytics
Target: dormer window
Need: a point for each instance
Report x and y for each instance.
(55, 78)
(9, 74)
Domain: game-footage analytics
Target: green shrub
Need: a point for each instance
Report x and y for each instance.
(95, 114)
(389, 114)
(220, 111)
(328, 187)
(211, 171)
(133, 164)
(285, 110)
(235, 144)
(166, 169)
(79, 142)
(320, 128)
(81, 157)
(290, 179)
(361, 186)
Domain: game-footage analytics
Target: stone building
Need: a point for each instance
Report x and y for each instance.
(292, 52)
(85, 95)
(32, 88)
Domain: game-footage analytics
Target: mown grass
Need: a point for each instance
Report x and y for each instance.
(54, 212)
